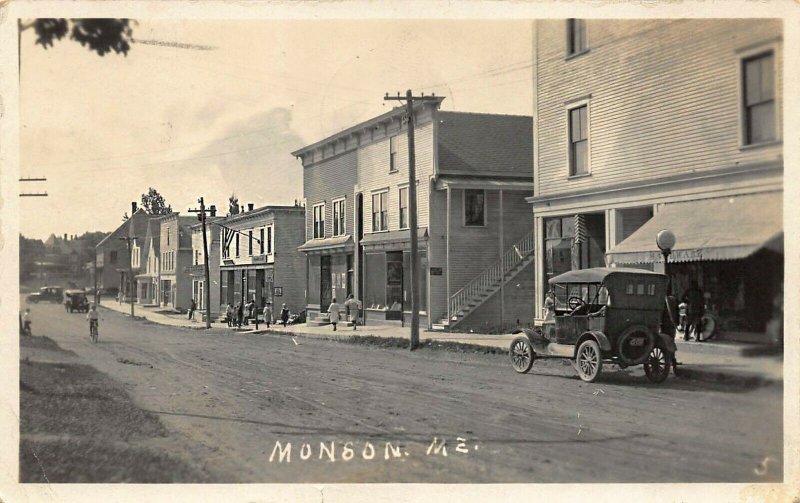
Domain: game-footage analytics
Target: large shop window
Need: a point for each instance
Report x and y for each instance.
(376, 281)
(380, 211)
(573, 242)
(313, 279)
(338, 217)
(319, 221)
(474, 207)
(759, 98)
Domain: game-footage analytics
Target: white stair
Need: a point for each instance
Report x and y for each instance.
(488, 282)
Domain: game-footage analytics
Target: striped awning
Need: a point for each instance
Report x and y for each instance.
(725, 228)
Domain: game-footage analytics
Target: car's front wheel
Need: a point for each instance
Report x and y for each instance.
(589, 361)
(522, 355)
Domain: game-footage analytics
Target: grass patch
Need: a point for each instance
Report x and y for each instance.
(41, 342)
(78, 425)
(397, 342)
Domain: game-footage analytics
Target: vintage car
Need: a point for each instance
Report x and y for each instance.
(603, 315)
(46, 294)
(75, 300)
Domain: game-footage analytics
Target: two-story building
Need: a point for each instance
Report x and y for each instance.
(149, 277)
(175, 245)
(259, 259)
(112, 256)
(644, 125)
(197, 269)
(474, 225)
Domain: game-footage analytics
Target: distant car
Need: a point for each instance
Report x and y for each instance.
(75, 300)
(46, 294)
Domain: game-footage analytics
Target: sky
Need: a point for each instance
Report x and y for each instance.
(224, 120)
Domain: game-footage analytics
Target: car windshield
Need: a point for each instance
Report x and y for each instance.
(590, 293)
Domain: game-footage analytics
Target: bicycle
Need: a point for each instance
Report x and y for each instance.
(93, 331)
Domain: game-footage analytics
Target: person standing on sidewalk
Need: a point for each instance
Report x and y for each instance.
(284, 315)
(229, 315)
(192, 308)
(268, 313)
(333, 312)
(239, 314)
(353, 308)
(695, 306)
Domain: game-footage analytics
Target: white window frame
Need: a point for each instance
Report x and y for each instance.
(775, 47)
(250, 242)
(343, 217)
(372, 209)
(238, 247)
(568, 41)
(314, 220)
(568, 107)
(269, 236)
(400, 189)
(464, 209)
(393, 167)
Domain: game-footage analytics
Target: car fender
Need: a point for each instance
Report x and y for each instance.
(535, 336)
(598, 336)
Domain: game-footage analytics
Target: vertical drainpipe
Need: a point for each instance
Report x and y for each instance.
(447, 253)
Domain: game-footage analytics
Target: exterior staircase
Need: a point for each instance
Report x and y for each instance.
(488, 282)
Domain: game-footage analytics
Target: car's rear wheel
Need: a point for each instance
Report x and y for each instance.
(589, 361)
(522, 355)
(656, 368)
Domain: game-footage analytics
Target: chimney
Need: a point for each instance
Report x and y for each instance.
(213, 210)
(250, 206)
(241, 208)
(133, 207)
(65, 236)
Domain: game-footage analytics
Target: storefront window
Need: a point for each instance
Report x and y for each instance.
(313, 279)
(561, 251)
(375, 281)
(394, 281)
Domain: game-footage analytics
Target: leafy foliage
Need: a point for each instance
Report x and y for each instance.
(154, 204)
(233, 205)
(100, 35)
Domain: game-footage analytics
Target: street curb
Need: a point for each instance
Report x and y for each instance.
(729, 378)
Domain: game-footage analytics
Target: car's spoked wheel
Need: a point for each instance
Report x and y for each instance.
(656, 368)
(521, 354)
(589, 361)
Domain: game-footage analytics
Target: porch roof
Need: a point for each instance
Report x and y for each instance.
(723, 228)
(393, 237)
(481, 182)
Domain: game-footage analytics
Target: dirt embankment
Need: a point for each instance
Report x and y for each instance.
(78, 425)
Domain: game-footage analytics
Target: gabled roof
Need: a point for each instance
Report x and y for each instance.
(485, 144)
(120, 231)
(139, 222)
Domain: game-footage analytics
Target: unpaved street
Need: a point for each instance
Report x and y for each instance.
(228, 398)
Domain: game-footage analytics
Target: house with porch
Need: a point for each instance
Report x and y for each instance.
(645, 125)
(175, 242)
(473, 223)
(258, 258)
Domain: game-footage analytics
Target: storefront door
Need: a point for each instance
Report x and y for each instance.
(325, 283)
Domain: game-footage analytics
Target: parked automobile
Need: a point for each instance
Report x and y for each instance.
(602, 315)
(75, 300)
(46, 294)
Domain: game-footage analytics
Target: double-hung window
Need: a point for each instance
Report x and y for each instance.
(319, 221)
(237, 244)
(578, 120)
(474, 207)
(261, 241)
(339, 208)
(393, 154)
(250, 242)
(404, 208)
(269, 240)
(758, 82)
(380, 211)
(576, 36)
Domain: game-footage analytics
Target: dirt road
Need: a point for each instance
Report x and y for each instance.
(350, 413)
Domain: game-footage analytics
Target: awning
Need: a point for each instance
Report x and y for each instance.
(404, 236)
(724, 228)
(327, 244)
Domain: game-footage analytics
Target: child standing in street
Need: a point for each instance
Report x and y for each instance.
(268, 313)
(284, 315)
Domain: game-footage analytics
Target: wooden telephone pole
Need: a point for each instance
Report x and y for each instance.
(128, 241)
(207, 274)
(412, 210)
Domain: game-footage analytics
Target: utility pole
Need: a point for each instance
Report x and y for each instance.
(207, 283)
(412, 210)
(128, 240)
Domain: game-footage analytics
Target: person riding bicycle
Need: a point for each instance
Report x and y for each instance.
(93, 316)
